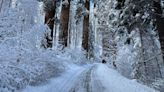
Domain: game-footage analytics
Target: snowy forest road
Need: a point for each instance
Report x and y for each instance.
(90, 78)
(79, 79)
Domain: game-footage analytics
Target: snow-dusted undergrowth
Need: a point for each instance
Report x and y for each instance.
(23, 63)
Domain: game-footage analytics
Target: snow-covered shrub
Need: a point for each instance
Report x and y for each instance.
(17, 75)
(125, 60)
(40, 71)
(158, 84)
(36, 37)
(74, 55)
(12, 78)
(26, 62)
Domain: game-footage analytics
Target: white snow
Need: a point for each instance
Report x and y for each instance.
(103, 79)
(114, 82)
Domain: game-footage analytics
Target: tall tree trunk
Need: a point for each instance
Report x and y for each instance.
(79, 24)
(64, 23)
(160, 28)
(91, 30)
(49, 20)
(57, 32)
(86, 29)
(72, 24)
(159, 23)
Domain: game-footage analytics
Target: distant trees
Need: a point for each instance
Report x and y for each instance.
(139, 16)
(74, 27)
(130, 38)
(124, 32)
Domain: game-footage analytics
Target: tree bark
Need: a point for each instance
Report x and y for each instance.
(159, 23)
(64, 24)
(86, 29)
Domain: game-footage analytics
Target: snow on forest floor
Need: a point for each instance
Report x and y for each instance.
(90, 78)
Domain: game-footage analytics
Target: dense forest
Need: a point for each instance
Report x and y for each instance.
(96, 42)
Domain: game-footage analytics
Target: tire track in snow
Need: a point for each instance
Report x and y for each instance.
(97, 84)
(83, 83)
(64, 84)
(88, 82)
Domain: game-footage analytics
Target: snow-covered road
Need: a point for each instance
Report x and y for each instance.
(90, 78)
